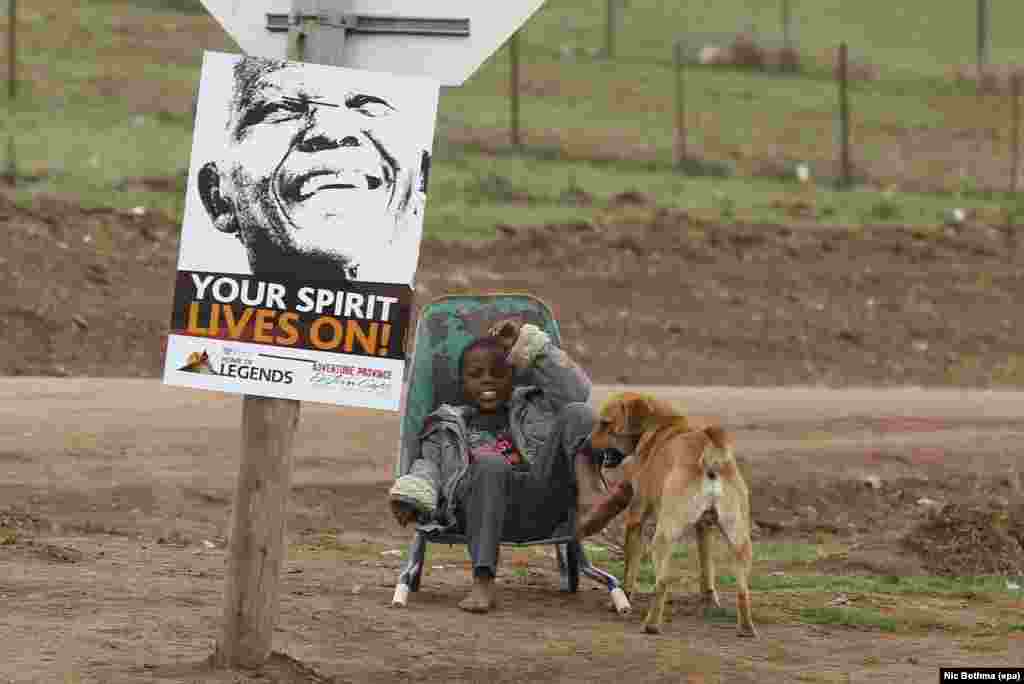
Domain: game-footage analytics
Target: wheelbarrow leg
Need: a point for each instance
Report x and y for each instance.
(409, 578)
(568, 567)
(619, 599)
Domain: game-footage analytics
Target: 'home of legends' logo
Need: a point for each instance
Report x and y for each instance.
(234, 365)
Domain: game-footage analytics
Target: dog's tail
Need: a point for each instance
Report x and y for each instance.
(717, 457)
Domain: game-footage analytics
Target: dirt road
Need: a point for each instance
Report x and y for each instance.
(116, 497)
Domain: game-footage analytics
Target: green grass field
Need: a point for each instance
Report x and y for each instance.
(99, 107)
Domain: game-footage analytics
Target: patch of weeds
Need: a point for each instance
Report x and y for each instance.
(722, 614)
(638, 215)
(925, 232)
(977, 589)
(785, 552)
(994, 644)
(574, 194)
(856, 232)
(596, 553)
(559, 648)
(968, 187)
(675, 657)
(920, 619)
(1016, 627)
(848, 617)
(182, 6)
(167, 117)
(1014, 211)
(885, 208)
(763, 552)
(8, 536)
(495, 187)
(776, 653)
(1011, 371)
(824, 677)
(646, 577)
(327, 546)
(703, 167)
(726, 206)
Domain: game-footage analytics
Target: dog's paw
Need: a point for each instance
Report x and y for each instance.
(747, 632)
(623, 609)
(709, 604)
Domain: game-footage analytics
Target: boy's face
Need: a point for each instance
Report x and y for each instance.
(486, 380)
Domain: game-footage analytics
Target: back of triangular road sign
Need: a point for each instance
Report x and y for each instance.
(376, 41)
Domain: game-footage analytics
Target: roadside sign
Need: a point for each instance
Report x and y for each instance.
(445, 39)
(443, 43)
(302, 230)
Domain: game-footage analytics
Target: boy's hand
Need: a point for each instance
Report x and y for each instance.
(403, 511)
(507, 332)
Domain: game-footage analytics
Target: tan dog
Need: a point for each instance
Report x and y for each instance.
(685, 475)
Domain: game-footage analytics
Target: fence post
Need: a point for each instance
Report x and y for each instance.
(787, 25)
(12, 49)
(610, 24)
(12, 84)
(680, 137)
(983, 35)
(513, 51)
(844, 118)
(1015, 88)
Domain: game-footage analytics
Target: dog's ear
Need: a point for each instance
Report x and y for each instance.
(637, 411)
(647, 413)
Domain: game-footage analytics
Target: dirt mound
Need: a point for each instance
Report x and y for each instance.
(962, 541)
(993, 79)
(644, 294)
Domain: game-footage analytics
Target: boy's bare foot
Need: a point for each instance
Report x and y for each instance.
(482, 597)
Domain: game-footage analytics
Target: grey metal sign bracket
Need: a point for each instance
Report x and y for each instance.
(334, 26)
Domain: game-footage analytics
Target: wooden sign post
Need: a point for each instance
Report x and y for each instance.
(331, 32)
(257, 542)
(257, 547)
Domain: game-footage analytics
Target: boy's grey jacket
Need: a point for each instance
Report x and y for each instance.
(441, 458)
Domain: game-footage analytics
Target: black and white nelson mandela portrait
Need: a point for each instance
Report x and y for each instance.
(322, 174)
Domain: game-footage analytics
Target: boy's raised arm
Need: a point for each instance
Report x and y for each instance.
(551, 368)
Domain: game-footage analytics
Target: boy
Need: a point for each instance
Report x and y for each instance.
(507, 462)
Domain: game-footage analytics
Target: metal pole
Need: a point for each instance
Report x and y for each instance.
(680, 151)
(844, 118)
(513, 51)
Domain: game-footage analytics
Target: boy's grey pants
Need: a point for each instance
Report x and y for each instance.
(502, 502)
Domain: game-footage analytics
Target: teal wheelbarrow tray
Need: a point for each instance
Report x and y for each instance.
(445, 327)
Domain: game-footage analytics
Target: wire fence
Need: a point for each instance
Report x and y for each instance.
(616, 84)
(743, 105)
